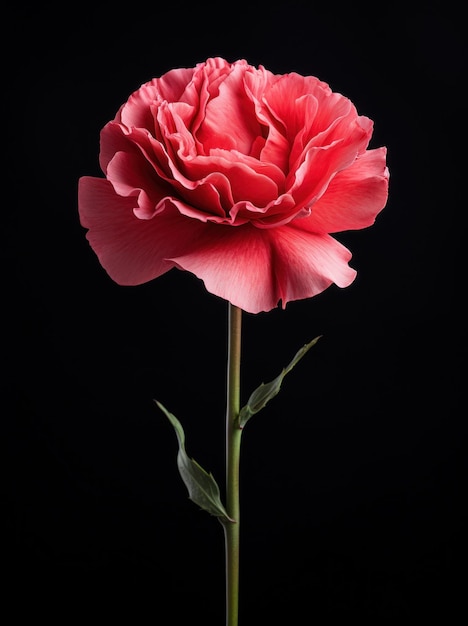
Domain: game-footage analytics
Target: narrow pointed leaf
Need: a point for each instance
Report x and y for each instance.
(202, 487)
(266, 391)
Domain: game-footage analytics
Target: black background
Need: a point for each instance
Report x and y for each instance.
(354, 478)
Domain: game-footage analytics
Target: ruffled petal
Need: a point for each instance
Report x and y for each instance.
(131, 250)
(129, 173)
(234, 263)
(113, 138)
(353, 198)
(273, 145)
(247, 178)
(282, 97)
(137, 111)
(305, 264)
(254, 269)
(230, 122)
(321, 163)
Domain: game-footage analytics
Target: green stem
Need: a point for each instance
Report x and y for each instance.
(233, 441)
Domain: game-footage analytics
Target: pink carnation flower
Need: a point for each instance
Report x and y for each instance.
(237, 175)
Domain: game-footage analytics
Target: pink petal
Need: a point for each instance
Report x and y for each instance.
(353, 198)
(255, 269)
(282, 98)
(132, 175)
(113, 138)
(306, 264)
(234, 263)
(137, 111)
(139, 166)
(131, 250)
(274, 147)
(247, 178)
(321, 163)
(230, 122)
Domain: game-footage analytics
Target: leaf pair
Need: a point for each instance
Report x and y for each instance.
(202, 487)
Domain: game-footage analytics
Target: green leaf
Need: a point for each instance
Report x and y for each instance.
(267, 391)
(202, 487)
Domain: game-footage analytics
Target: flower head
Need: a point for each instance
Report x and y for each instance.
(237, 175)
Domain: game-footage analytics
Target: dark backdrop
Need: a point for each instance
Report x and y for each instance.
(354, 477)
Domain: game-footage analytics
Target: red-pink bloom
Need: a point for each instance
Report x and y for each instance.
(237, 175)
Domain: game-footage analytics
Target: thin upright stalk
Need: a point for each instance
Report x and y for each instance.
(233, 441)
